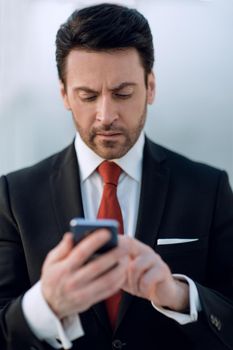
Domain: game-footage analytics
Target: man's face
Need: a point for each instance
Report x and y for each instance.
(107, 95)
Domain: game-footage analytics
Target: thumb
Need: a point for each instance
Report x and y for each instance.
(62, 249)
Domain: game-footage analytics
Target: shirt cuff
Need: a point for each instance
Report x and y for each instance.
(45, 324)
(194, 304)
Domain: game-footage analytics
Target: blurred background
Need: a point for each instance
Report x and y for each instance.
(193, 112)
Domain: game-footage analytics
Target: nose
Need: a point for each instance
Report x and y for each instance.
(106, 112)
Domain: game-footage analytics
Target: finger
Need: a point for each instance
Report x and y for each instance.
(137, 268)
(99, 266)
(149, 283)
(133, 246)
(106, 285)
(87, 247)
(157, 278)
(62, 250)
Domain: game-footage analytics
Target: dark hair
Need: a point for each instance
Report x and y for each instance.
(105, 27)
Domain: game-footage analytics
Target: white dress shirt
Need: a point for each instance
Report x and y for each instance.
(42, 321)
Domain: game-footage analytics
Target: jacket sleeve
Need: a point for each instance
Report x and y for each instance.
(14, 282)
(215, 321)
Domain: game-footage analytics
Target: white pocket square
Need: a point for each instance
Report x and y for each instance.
(163, 241)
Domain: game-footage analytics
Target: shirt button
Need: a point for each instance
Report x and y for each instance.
(117, 344)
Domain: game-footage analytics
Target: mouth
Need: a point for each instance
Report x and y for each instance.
(108, 135)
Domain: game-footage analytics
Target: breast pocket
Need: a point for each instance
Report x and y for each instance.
(188, 258)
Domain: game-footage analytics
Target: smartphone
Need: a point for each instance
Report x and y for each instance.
(81, 228)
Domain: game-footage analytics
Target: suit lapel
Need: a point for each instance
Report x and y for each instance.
(101, 313)
(155, 181)
(65, 189)
(154, 187)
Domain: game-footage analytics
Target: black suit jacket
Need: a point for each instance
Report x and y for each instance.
(179, 199)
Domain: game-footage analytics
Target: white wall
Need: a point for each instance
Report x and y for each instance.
(194, 55)
(193, 113)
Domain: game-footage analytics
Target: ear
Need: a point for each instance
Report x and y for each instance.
(151, 88)
(64, 96)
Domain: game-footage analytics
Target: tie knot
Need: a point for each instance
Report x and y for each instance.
(110, 172)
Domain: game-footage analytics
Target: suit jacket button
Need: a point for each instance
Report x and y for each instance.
(213, 319)
(117, 344)
(216, 322)
(218, 325)
(33, 348)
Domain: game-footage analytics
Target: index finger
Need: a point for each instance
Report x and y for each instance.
(133, 246)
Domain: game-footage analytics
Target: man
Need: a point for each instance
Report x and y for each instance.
(174, 263)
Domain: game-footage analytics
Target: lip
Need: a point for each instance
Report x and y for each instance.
(108, 133)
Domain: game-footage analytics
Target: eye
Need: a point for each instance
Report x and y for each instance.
(88, 98)
(123, 96)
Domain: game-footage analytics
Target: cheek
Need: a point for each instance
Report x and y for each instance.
(134, 109)
(83, 115)
(140, 99)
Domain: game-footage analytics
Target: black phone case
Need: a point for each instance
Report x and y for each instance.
(81, 228)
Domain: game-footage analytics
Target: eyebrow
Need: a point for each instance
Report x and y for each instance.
(115, 88)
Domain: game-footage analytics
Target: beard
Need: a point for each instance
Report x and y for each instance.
(115, 147)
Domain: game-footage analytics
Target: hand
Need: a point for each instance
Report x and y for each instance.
(69, 285)
(149, 277)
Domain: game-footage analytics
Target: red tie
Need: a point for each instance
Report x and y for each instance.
(110, 209)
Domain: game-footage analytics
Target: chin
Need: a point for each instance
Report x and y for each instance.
(110, 153)
(110, 149)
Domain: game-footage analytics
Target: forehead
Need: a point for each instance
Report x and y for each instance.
(108, 67)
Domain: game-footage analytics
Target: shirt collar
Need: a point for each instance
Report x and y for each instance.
(130, 163)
